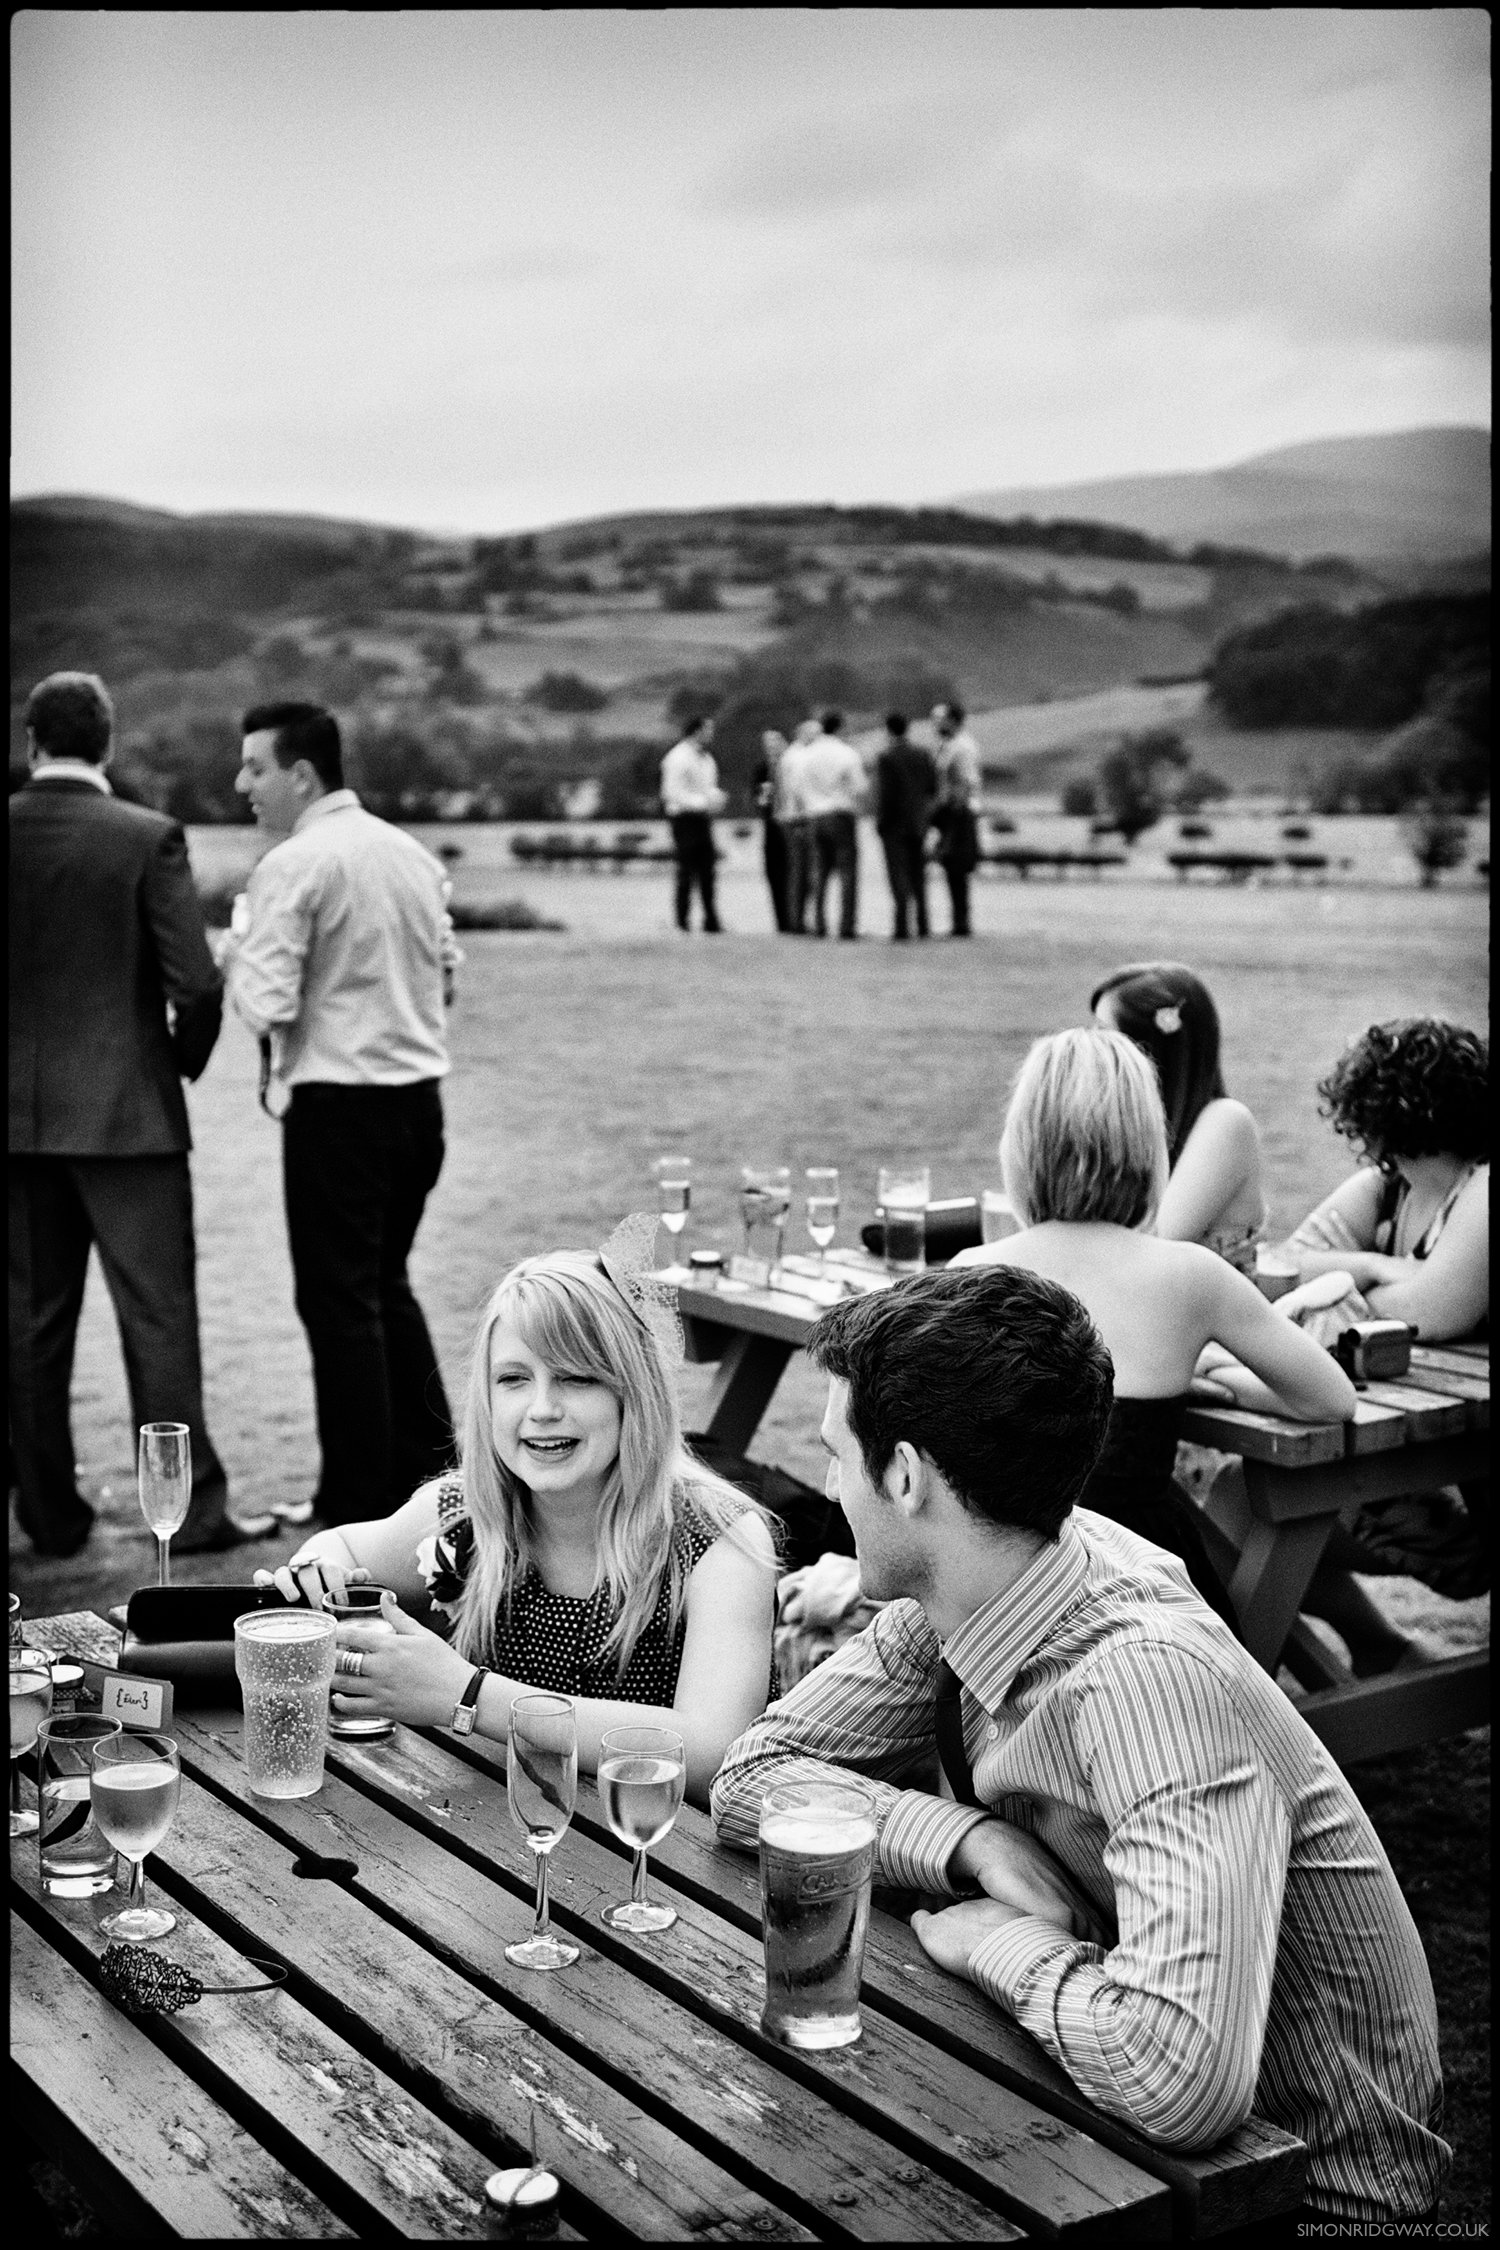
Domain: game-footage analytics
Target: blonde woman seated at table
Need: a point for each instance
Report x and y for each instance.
(1216, 1190)
(1411, 1226)
(579, 1548)
(1084, 1161)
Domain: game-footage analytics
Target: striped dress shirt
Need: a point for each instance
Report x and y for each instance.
(1263, 1957)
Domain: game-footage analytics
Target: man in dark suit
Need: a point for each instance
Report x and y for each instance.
(106, 936)
(905, 792)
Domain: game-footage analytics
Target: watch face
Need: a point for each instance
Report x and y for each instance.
(463, 1719)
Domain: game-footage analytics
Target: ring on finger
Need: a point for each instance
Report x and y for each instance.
(350, 1660)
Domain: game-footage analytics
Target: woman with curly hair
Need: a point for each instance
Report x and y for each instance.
(579, 1548)
(1410, 1226)
(1216, 1191)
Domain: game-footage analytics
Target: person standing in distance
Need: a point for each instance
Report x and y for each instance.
(797, 824)
(114, 1000)
(765, 785)
(345, 966)
(957, 814)
(905, 791)
(690, 795)
(830, 778)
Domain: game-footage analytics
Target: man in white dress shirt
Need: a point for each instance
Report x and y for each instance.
(344, 968)
(957, 811)
(830, 780)
(690, 795)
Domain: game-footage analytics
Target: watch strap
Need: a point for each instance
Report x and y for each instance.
(465, 1710)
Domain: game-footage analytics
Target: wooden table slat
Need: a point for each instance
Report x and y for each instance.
(1429, 1414)
(1265, 1437)
(1375, 1428)
(145, 2144)
(1448, 1382)
(1463, 1359)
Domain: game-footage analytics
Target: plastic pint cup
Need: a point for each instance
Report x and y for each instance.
(817, 1849)
(284, 1660)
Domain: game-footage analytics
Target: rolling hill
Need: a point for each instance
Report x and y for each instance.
(1412, 495)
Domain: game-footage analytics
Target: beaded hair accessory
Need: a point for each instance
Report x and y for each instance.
(628, 1257)
(144, 1983)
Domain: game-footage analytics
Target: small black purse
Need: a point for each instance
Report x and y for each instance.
(185, 1634)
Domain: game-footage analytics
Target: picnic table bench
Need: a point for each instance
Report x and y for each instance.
(1267, 1526)
(404, 2058)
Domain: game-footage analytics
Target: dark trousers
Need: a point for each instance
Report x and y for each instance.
(835, 851)
(358, 1165)
(138, 1212)
(778, 873)
(693, 837)
(906, 871)
(799, 872)
(960, 856)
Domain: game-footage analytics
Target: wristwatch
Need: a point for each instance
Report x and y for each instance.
(466, 1709)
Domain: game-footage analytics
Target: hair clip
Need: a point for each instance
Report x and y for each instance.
(1168, 1019)
(144, 1983)
(628, 1257)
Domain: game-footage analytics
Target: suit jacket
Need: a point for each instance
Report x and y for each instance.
(905, 789)
(105, 932)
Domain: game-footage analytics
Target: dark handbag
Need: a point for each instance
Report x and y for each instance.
(185, 1634)
(951, 1227)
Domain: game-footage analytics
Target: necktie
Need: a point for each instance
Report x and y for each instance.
(950, 1736)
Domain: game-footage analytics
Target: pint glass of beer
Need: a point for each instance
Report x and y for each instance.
(817, 1849)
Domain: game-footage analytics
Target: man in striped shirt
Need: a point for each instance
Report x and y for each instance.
(1160, 1872)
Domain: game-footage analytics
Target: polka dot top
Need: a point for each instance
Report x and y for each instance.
(556, 1641)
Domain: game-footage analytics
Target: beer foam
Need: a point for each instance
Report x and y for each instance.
(826, 1837)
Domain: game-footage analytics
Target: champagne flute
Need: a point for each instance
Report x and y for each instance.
(134, 1789)
(164, 1477)
(674, 1185)
(822, 1208)
(541, 1780)
(642, 1774)
(30, 1701)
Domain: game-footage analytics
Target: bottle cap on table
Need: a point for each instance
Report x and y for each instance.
(525, 2198)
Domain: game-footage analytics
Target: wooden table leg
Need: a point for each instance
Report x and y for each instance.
(1274, 1571)
(744, 1387)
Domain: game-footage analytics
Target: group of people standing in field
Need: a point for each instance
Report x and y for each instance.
(810, 792)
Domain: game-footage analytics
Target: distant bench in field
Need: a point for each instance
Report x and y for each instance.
(1024, 858)
(558, 849)
(1238, 866)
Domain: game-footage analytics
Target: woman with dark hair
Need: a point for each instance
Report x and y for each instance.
(1411, 1226)
(1216, 1192)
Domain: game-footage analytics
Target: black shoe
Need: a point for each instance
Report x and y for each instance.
(229, 1531)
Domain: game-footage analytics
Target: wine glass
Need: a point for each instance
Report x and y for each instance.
(164, 1478)
(822, 1208)
(642, 1774)
(133, 1789)
(30, 1701)
(674, 1185)
(541, 1780)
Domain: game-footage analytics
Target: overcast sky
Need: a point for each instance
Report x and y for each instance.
(482, 270)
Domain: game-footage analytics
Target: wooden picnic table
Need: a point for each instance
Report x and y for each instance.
(403, 2060)
(1268, 1522)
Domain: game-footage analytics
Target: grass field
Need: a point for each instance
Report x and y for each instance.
(580, 1056)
